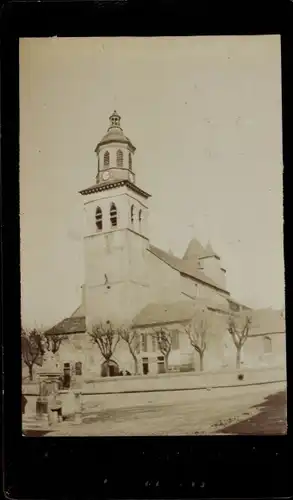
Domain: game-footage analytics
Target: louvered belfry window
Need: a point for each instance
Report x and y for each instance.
(129, 161)
(119, 157)
(107, 159)
(113, 215)
(99, 219)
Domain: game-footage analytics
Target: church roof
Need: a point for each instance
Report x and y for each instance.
(184, 266)
(209, 252)
(194, 249)
(74, 324)
(173, 312)
(115, 135)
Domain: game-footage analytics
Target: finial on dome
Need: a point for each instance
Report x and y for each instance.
(115, 119)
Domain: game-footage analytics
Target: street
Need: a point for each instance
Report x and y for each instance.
(244, 410)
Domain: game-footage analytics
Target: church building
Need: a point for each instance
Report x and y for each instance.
(129, 281)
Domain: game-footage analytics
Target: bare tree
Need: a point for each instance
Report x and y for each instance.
(106, 336)
(164, 341)
(239, 327)
(132, 339)
(53, 342)
(32, 349)
(197, 332)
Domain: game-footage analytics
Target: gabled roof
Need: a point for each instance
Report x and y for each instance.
(173, 312)
(184, 266)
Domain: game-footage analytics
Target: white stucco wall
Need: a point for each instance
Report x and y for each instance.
(165, 282)
(123, 197)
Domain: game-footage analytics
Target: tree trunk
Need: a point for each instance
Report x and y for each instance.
(201, 354)
(30, 369)
(238, 358)
(135, 360)
(166, 363)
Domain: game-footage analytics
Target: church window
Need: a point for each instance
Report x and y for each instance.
(140, 219)
(119, 158)
(175, 340)
(107, 159)
(132, 214)
(99, 219)
(267, 341)
(130, 161)
(113, 215)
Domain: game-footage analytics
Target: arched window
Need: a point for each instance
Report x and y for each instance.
(129, 161)
(119, 158)
(140, 219)
(99, 219)
(267, 345)
(132, 214)
(113, 215)
(107, 159)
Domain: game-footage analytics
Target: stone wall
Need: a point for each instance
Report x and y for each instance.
(184, 381)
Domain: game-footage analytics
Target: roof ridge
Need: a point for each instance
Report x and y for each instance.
(180, 265)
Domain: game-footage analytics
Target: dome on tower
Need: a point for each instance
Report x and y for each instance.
(115, 133)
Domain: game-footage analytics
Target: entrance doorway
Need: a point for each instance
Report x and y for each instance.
(109, 369)
(145, 366)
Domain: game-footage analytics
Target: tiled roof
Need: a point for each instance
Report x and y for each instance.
(184, 266)
(173, 312)
(73, 324)
(103, 186)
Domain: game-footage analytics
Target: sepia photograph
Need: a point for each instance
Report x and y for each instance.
(151, 233)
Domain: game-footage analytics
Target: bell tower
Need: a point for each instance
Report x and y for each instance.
(116, 233)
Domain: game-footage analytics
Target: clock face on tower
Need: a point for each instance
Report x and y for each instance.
(105, 176)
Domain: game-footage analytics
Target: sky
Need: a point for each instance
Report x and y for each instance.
(205, 116)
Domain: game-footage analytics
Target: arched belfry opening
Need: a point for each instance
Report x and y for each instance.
(106, 159)
(119, 158)
(130, 161)
(113, 215)
(99, 219)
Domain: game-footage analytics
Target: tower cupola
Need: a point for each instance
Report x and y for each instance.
(115, 154)
(114, 120)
